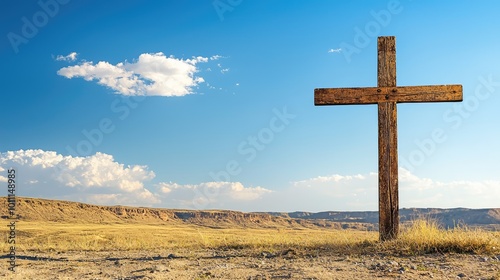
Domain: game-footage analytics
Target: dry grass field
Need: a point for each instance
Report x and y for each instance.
(65, 237)
(80, 249)
(420, 237)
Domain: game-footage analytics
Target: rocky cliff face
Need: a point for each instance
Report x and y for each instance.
(446, 217)
(34, 209)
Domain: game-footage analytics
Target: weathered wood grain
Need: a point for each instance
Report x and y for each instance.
(387, 143)
(374, 95)
(386, 95)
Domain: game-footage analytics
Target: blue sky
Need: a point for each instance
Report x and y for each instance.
(209, 104)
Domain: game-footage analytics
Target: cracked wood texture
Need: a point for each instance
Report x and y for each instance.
(386, 95)
(388, 198)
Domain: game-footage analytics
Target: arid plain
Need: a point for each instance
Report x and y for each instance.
(68, 240)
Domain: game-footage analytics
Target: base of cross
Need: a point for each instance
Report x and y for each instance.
(386, 95)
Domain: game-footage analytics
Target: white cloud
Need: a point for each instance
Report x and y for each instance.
(425, 192)
(151, 74)
(330, 192)
(335, 50)
(331, 178)
(52, 175)
(70, 57)
(360, 192)
(101, 179)
(222, 70)
(223, 195)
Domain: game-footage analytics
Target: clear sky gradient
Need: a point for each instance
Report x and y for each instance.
(209, 104)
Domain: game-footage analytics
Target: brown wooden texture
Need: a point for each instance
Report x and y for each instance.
(387, 95)
(387, 143)
(374, 95)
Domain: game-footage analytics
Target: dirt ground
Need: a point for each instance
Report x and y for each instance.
(238, 264)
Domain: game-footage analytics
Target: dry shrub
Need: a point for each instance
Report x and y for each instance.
(428, 236)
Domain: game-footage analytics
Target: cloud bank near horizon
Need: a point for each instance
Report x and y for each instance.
(100, 179)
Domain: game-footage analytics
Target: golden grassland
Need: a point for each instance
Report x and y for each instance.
(419, 237)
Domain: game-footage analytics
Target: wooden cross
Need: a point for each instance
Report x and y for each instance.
(386, 95)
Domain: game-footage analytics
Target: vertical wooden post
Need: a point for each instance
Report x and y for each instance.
(386, 95)
(387, 143)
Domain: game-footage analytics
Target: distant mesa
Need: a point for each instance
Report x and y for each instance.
(37, 209)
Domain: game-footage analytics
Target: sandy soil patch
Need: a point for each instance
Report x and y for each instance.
(241, 264)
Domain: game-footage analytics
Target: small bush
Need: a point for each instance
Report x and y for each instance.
(427, 236)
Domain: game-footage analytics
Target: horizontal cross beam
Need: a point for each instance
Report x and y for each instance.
(375, 95)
